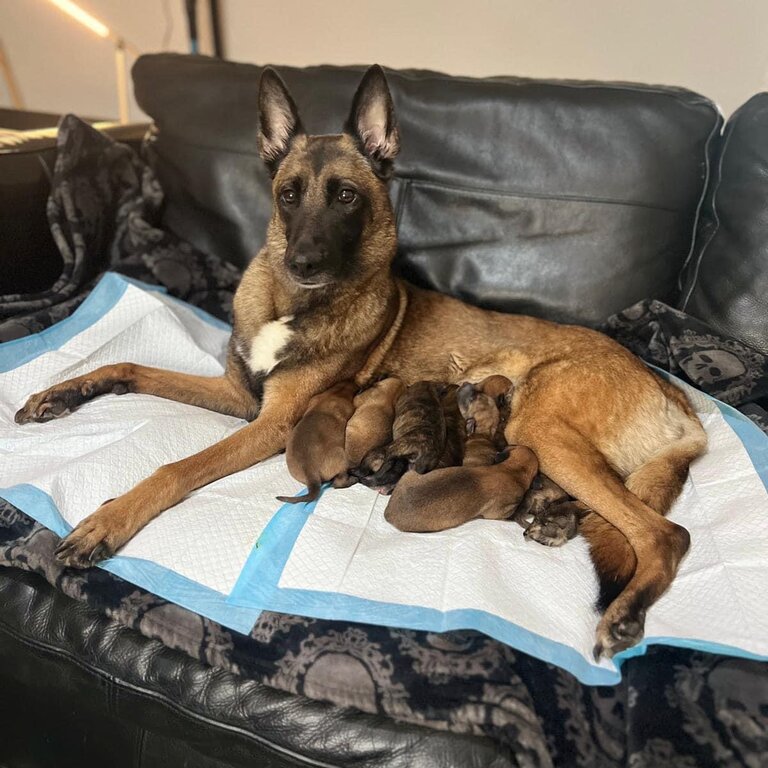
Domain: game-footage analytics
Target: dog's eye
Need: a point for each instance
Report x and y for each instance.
(347, 196)
(288, 197)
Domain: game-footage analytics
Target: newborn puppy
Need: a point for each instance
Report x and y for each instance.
(418, 438)
(479, 406)
(547, 513)
(371, 424)
(315, 450)
(449, 497)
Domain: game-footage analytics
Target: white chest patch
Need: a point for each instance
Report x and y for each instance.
(268, 343)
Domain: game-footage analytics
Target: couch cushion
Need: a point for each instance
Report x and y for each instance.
(560, 199)
(727, 280)
(102, 692)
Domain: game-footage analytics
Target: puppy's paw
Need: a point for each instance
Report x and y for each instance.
(554, 526)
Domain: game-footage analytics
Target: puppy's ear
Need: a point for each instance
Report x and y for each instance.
(372, 122)
(464, 397)
(279, 122)
(502, 401)
(471, 426)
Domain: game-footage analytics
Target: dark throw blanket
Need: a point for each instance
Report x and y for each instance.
(675, 708)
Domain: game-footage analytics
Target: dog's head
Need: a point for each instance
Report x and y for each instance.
(332, 219)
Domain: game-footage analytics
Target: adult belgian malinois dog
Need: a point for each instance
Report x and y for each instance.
(320, 304)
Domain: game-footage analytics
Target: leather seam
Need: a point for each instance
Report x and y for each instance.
(141, 692)
(401, 198)
(415, 181)
(715, 229)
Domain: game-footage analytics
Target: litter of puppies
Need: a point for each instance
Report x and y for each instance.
(437, 448)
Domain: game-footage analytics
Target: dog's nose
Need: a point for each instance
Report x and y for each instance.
(307, 263)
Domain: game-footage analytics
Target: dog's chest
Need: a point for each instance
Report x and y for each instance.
(267, 348)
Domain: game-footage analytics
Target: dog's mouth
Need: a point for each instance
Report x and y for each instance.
(312, 283)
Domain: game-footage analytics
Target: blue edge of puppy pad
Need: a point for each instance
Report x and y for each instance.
(257, 587)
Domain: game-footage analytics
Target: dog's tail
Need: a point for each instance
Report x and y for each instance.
(313, 491)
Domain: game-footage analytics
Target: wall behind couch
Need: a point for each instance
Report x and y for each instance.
(714, 47)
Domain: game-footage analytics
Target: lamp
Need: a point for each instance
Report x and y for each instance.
(121, 46)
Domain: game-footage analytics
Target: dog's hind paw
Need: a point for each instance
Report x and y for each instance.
(614, 636)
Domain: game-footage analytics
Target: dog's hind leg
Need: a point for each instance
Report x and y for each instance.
(224, 394)
(657, 483)
(659, 545)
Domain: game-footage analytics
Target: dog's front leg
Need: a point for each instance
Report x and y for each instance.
(225, 394)
(101, 534)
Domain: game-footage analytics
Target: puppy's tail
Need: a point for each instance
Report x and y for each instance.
(313, 491)
(612, 556)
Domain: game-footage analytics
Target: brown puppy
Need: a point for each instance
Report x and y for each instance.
(371, 424)
(315, 451)
(418, 438)
(501, 389)
(449, 497)
(484, 408)
(481, 418)
(320, 304)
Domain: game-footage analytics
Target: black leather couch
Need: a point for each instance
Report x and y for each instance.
(567, 200)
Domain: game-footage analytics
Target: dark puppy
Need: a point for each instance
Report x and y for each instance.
(315, 450)
(449, 497)
(418, 438)
(455, 432)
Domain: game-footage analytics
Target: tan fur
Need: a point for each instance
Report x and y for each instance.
(315, 451)
(371, 424)
(449, 497)
(592, 412)
(482, 420)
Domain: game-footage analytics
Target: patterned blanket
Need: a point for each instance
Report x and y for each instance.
(674, 707)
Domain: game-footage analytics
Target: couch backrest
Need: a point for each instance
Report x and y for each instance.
(568, 200)
(726, 280)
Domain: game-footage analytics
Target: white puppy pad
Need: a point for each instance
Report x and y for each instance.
(61, 471)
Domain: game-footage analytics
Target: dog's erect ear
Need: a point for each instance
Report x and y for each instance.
(279, 121)
(372, 122)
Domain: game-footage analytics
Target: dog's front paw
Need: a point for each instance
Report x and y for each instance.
(48, 405)
(92, 540)
(617, 633)
(65, 397)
